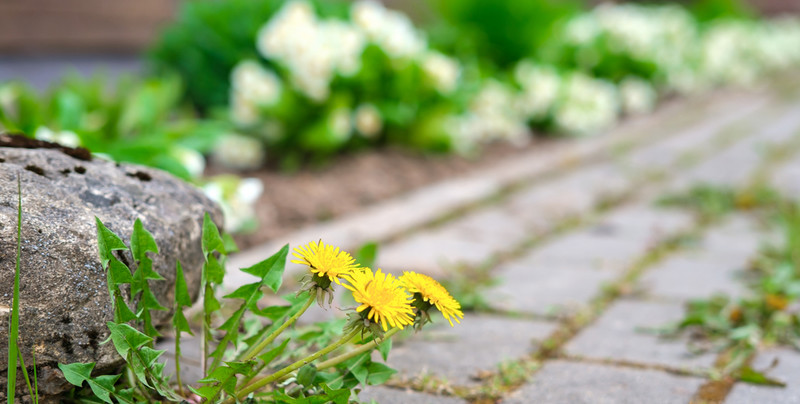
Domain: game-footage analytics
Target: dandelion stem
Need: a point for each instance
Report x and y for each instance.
(265, 380)
(358, 351)
(257, 348)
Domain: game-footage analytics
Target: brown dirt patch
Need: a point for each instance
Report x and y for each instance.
(352, 182)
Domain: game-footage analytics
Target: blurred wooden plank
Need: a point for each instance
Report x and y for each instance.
(81, 25)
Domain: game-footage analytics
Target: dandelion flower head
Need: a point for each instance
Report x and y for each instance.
(434, 293)
(325, 260)
(388, 304)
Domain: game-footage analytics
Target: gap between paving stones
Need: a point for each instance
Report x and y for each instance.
(433, 203)
(562, 336)
(634, 274)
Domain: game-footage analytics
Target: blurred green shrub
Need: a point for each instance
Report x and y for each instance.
(499, 32)
(137, 121)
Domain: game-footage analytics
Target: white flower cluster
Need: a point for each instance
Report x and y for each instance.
(444, 71)
(252, 86)
(541, 86)
(391, 30)
(586, 105)
(239, 152)
(739, 52)
(312, 49)
(368, 120)
(661, 35)
(65, 137)
(637, 96)
(492, 115)
(237, 197)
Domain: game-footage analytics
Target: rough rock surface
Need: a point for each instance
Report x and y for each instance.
(64, 299)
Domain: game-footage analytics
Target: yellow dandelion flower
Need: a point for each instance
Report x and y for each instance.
(325, 260)
(388, 303)
(433, 293)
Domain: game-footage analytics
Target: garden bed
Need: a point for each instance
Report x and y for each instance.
(355, 181)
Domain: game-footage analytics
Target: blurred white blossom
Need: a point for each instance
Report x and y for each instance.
(368, 120)
(540, 89)
(65, 137)
(239, 152)
(192, 160)
(236, 197)
(443, 70)
(587, 105)
(312, 49)
(637, 96)
(391, 30)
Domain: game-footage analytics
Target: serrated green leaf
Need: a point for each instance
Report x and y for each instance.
(180, 323)
(339, 396)
(750, 375)
(207, 392)
(118, 273)
(77, 373)
(358, 367)
(366, 254)
(273, 353)
(229, 243)
(107, 242)
(122, 313)
(142, 241)
(103, 386)
(211, 238)
(126, 338)
(379, 373)
(384, 348)
(210, 304)
(182, 298)
(270, 271)
(244, 292)
(214, 271)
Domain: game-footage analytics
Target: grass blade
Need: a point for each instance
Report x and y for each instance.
(13, 329)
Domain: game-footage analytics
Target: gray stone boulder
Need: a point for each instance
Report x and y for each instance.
(64, 298)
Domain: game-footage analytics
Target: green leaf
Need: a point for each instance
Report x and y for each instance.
(229, 243)
(270, 271)
(118, 273)
(340, 396)
(306, 375)
(126, 338)
(211, 238)
(358, 367)
(122, 313)
(103, 386)
(366, 254)
(107, 242)
(77, 373)
(273, 353)
(214, 271)
(379, 373)
(182, 298)
(384, 348)
(142, 241)
(750, 375)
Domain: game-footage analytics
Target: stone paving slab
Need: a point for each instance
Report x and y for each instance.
(479, 343)
(666, 152)
(385, 395)
(734, 166)
(582, 383)
(787, 371)
(714, 265)
(563, 275)
(620, 334)
(785, 178)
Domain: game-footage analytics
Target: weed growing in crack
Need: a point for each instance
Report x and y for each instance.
(253, 355)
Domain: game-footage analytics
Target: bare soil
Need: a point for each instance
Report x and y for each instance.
(352, 182)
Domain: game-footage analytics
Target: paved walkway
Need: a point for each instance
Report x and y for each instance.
(575, 259)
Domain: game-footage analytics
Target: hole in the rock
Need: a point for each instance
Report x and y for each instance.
(35, 169)
(65, 171)
(142, 176)
(79, 169)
